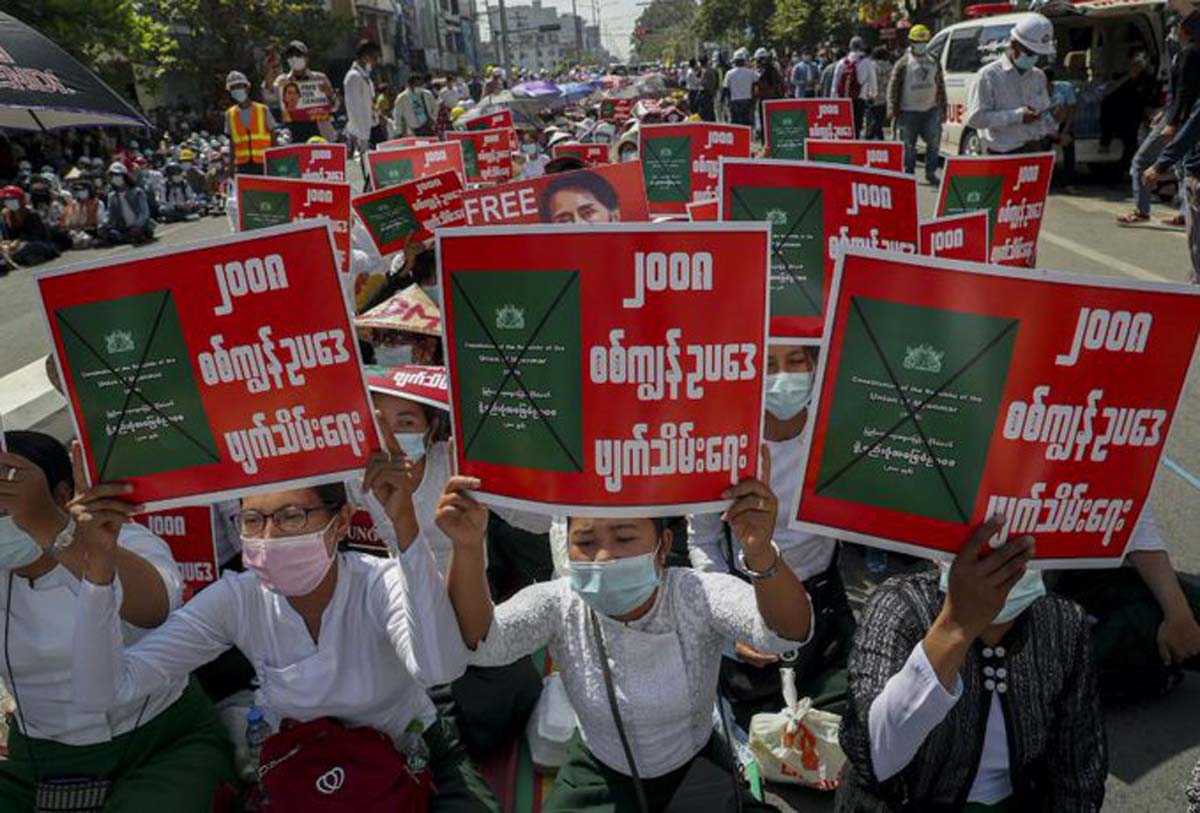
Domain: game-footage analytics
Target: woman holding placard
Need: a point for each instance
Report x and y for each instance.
(638, 644)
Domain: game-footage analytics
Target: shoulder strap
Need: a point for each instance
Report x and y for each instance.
(612, 702)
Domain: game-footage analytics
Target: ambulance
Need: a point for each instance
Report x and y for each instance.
(1096, 41)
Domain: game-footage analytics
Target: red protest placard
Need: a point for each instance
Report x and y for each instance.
(591, 154)
(791, 122)
(816, 211)
(887, 155)
(423, 384)
(950, 392)
(1012, 189)
(391, 167)
(604, 194)
(396, 215)
(491, 121)
(704, 211)
(210, 370)
(487, 154)
(310, 162)
(956, 237)
(608, 370)
(616, 109)
(681, 162)
(189, 532)
(406, 141)
(266, 202)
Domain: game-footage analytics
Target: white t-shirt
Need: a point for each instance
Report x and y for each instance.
(740, 83)
(41, 646)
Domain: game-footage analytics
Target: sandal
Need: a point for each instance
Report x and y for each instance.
(1133, 217)
(1178, 221)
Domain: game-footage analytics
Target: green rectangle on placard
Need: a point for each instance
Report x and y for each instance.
(512, 306)
(789, 129)
(390, 173)
(923, 348)
(797, 218)
(971, 193)
(667, 169)
(137, 340)
(261, 208)
(389, 219)
(285, 166)
(470, 158)
(830, 158)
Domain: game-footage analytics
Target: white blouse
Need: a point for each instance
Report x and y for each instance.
(664, 664)
(40, 622)
(388, 633)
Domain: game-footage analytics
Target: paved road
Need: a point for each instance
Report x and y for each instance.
(1153, 746)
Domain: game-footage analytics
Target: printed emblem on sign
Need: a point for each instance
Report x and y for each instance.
(331, 781)
(923, 358)
(777, 217)
(510, 317)
(119, 341)
(974, 196)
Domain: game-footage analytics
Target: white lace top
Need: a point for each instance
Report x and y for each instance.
(664, 665)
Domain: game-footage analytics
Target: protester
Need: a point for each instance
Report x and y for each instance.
(973, 691)
(84, 215)
(340, 635)
(165, 749)
(828, 72)
(1007, 102)
(358, 91)
(24, 238)
(303, 122)
(1123, 109)
(804, 77)
(1184, 149)
(179, 202)
(768, 85)
(45, 204)
(693, 85)
(854, 78)
(738, 90)
(707, 95)
(916, 100)
(249, 126)
(415, 109)
(127, 211)
(877, 107)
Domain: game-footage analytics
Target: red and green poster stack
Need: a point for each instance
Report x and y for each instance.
(681, 162)
(791, 122)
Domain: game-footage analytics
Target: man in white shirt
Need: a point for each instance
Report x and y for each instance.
(855, 78)
(415, 110)
(1007, 103)
(359, 93)
(739, 89)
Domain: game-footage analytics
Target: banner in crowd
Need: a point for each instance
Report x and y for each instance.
(604, 194)
(616, 109)
(816, 211)
(311, 162)
(501, 119)
(397, 215)
(406, 141)
(681, 162)
(704, 211)
(887, 155)
(190, 534)
(391, 167)
(266, 202)
(487, 154)
(591, 154)
(791, 122)
(305, 100)
(957, 237)
(606, 370)
(413, 382)
(201, 372)
(1012, 189)
(952, 392)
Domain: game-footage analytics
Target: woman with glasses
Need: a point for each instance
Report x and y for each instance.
(343, 635)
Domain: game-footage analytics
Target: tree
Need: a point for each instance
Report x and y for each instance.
(736, 22)
(802, 22)
(664, 31)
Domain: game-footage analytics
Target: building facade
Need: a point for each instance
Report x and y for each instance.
(541, 39)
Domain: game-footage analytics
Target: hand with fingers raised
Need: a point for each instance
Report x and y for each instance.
(99, 512)
(461, 517)
(752, 516)
(390, 478)
(979, 584)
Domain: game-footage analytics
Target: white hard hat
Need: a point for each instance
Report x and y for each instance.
(558, 138)
(117, 168)
(762, 53)
(1036, 33)
(740, 53)
(236, 79)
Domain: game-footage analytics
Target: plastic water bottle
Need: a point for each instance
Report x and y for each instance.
(877, 562)
(257, 732)
(416, 752)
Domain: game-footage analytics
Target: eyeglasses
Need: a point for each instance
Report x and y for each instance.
(290, 519)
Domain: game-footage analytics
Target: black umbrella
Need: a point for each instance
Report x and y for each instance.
(43, 88)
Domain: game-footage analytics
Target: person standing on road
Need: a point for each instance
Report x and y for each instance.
(854, 78)
(804, 77)
(877, 117)
(706, 98)
(414, 111)
(1185, 149)
(249, 125)
(916, 98)
(825, 83)
(739, 90)
(299, 91)
(359, 93)
(1182, 91)
(1008, 102)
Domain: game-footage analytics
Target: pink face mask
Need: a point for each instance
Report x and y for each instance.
(289, 565)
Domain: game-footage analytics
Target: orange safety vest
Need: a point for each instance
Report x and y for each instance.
(249, 145)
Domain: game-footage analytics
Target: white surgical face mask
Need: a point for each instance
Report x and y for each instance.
(788, 393)
(412, 444)
(117, 181)
(1028, 589)
(12, 205)
(297, 63)
(17, 548)
(238, 94)
(1025, 61)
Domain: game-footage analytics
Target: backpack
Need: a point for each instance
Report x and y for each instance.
(848, 86)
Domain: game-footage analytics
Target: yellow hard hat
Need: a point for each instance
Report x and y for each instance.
(456, 112)
(187, 155)
(919, 33)
(317, 140)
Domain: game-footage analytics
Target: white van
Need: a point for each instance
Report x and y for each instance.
(1094, 40)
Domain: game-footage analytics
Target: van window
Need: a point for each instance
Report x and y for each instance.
(963, 56)
(992, 42)
(937, 46)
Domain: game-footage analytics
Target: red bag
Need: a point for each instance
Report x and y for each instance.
(848, 85)
(323, 765)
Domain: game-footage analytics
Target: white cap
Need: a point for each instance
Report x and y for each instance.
(1036, 33)
(236, 79)
(762, 53)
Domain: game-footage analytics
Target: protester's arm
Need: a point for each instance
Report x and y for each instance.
(981, 108)
(895, 84)
(1179, 633)
(1184, 100)
(1077, 751)
(1183, 142)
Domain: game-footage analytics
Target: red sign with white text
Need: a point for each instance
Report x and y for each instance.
(681, 162)
(406, 141)
(423, 384)
(391, 167)
(956, 237)
(951, 392)
(887, 155)
(791, 122)
(397, 215)
(604, 194)
(490, 121)
(611, 370)
(265, 202)
(189, 532)
(309, 162)
(704, 211)
(487, 154)
(1012, 189)
(816, 211)
(198, 373)
(590, 154)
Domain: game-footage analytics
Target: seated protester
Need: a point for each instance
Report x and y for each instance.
(84, 215)
(24, 238)
(127, 212)
(178, 200)
(330, 634)
(1145, 630)
(973, 693)
(44, 202)
(165, 749)
(649, 720)
(752, 681)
